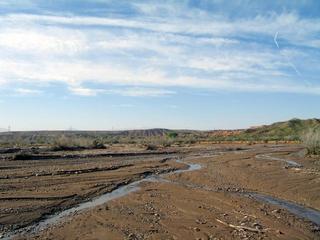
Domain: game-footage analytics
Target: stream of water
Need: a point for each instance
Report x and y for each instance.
(290, 163)
(299, 210)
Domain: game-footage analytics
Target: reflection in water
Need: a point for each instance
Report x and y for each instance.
(301, 211)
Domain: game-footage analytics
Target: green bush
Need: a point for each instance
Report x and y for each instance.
(172, 135)
(98, 144)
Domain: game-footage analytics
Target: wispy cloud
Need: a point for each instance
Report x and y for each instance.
(123, 105)
(26, 91)
(82, 91)
(149, 55)
(142, 92)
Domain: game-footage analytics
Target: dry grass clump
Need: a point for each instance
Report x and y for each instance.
(311, 140)
(73, 143)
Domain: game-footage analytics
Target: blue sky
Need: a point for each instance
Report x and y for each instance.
(102, 64)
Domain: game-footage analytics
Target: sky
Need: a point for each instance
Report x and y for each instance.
(184, 64)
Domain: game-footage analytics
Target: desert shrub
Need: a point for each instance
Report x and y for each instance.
(151, 147)
(311, 140)
(98, 144)
(22, 156)
(190, 139)
(172, 135)
(166, 143)
(75, 143)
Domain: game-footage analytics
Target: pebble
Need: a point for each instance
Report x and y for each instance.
(200, 221)
(276, 211)
(257, 226)
(279, 232)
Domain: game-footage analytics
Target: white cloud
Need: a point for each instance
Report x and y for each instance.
(27, 91)
(142, 92)
(41, 49)
(82, 91)
(128, 92)
(42, 41)
(289, 24)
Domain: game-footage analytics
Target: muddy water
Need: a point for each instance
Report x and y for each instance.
(298, 210)
(119, 192)
(301, 211)
(290, 163)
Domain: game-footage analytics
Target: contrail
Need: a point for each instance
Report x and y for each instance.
(275, 39)
(294, 67)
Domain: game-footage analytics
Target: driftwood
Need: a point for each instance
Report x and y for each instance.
(240, 227)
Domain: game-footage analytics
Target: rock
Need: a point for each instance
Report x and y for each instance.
(257, 226)
(316, 229)
(279, 232)
(196, 229)
(276, 211)
(201, 221)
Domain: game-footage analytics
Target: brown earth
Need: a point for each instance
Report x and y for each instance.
(31, 189)
(203, 204)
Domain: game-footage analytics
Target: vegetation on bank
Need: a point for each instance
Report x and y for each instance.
(293, 130)
(281, 131)
(311, 140)
(63, 143)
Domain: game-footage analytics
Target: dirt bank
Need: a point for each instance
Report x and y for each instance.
(204, 204)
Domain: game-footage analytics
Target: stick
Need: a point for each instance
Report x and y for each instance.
(240, 227)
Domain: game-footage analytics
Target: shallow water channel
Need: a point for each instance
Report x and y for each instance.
(299, 210)
(290, 163)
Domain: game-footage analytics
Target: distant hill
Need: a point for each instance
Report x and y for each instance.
(288, 130)
(141, 133)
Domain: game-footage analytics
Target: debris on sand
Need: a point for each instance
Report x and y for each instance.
(241, 227)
